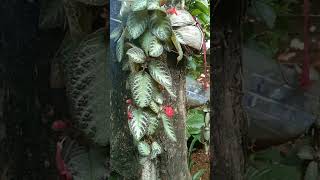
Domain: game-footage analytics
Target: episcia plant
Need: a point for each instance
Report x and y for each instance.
(148, 30)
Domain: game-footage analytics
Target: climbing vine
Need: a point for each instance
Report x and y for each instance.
(148, 30)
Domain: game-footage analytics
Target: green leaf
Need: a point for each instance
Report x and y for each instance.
(136, 55)
(144, 148)
(178, 47)
(120, 47)
(312, 171)
(160, 26)
(156, 149)
(153, 123)
(306, 153)
(154, 107)
(158, 97)
(168, 128)
(141, 88)
(138, 124)
(195, 120)
(161, 74)
(137, 23)
(151, 45)
(198, 174)
(139, 5)
(153, 4)
(116, 33)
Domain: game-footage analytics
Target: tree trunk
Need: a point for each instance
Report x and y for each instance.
(174, 159)
(228, 121)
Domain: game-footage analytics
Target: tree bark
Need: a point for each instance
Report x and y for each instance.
(174, 159)
(228, 122)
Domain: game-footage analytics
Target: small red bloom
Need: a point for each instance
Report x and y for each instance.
(129, 115)
(129, 101)
(59, 125)
(172, 11)
(169, 111)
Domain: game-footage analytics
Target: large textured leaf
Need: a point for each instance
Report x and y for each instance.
(160, 26)
(312, 172)
(139, 5)
(51, 14)
(153, 123)
(151, 44)
(136, 55)
(144, 148)
(160, 73)
(84, 164)
(155, 149)
(137, 23)
(138, 124)
(120, 47)
(86, 83)
(141, 88)
(94, 2)
(153, 4)
(168, 128)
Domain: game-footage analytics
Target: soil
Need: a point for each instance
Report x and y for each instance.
(201, 161)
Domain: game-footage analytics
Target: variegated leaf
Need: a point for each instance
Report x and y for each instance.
(160, 26)
(161, 74)
(168, 128)
(153, 123)
(136, 55)
(154, 107)
(137, 23)
(153, 4)
(141, 88)
(139, 5)
(138, 124)
(155, 149)
(120, 47)
(144, 148)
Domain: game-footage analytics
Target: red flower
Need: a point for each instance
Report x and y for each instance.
(129, 101)
(169, 111)
(59, 125)
(172, 11)
(129, 115)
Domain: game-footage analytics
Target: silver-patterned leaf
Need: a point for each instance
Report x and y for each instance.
(116, 33)
(160, 26)
(141, 88)
(168, 128)
(158, 97)
(182, 18)
(153, 4)
(154, 107)
(144, 148)
(155, 149)
(139, 5)
(161, 74)
(151, 44)
(136, 55)
(153, 123)
(120, 47)
(138, 124)
(137, 23)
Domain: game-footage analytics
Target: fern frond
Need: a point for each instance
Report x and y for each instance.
(138, 124)
(161, 74)
(144, 148)
(136, 55)
(137, 23)
(141, 88)
(168, 128)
